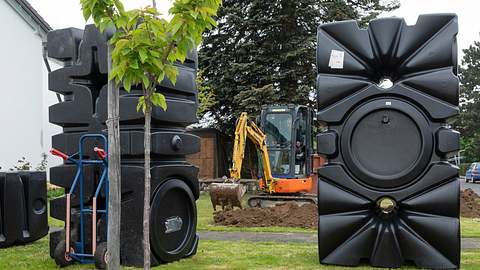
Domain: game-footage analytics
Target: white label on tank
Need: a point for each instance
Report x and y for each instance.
(388, 103)
(336, 59)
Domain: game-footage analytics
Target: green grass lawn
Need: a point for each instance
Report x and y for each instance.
(224, 254)
(245, 255)
(470, 227)
(210, 255)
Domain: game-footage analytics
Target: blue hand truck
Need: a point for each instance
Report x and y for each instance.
(71, 250)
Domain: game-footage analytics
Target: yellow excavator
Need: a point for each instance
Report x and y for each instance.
(284, 140)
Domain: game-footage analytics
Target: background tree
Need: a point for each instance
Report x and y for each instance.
(206, 97)
(145, 49)
(468, 122)
(259, 43)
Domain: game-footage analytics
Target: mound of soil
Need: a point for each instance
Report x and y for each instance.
(469, 204)
(305, 216)
(283, 215)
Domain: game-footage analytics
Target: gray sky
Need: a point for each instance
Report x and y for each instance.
(66, 13)
(466, 10)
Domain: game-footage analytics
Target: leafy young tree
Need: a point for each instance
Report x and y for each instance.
(259, 43)
(467, 123)
(145, 48)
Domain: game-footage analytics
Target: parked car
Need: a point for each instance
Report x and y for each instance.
(473, 173)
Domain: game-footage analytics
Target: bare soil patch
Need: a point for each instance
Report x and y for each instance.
(469, 204)
(282, 215)
(305, 216)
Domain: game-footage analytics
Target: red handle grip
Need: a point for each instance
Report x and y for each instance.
(58, 153)
(100, 152)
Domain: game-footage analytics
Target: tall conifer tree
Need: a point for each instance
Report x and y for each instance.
(260, 43)
(467, 123)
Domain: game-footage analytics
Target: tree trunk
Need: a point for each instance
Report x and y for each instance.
(154, 3)
(146, 198)
(114, 207)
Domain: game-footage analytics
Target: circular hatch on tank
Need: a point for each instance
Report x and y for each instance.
(173, 220)
(386, 143)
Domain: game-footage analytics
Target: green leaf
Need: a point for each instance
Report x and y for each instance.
(160, 77)
(159, 100)
(127, 83)
(119, 6)
(146, 82)
(86, 13)
(157, 63)
(175, 27)
(125, 51)
(207, 10)
(171, 72)
(152, 10)
(143, 55)
(134, 64)
(121, 43)
(102, 25)
(211, 21)
(122, 21)
(141, 104)
(113, 73)
(154, 53)
(194, 14)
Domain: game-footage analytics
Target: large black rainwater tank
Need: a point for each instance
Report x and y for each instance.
(82, 82)
(388, 196)
(23, 207)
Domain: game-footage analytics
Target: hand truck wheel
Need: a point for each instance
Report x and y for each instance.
(62, 258)
(101, 256)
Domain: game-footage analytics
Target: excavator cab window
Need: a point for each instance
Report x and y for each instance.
(280, 162)
(278, 128)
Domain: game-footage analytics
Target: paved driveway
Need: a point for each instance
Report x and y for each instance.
(311, 238)
(475, 187)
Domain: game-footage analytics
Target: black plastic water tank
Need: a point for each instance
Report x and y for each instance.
(82, 82)
(387, 194)
(23, 207)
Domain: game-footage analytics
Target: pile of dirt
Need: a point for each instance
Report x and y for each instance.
(283, 215)
(469, 204)
(305, 216)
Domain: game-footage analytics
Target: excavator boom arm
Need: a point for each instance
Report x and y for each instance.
(246, 128)
(257, 136)
(239, 147)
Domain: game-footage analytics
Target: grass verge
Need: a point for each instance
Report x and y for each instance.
(470, 227)
(210, 255)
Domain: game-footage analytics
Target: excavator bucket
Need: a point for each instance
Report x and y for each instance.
(226, 195)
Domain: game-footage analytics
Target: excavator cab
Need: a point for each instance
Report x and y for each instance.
(288, 130)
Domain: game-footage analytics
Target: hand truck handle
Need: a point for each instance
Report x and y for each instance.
(100, 152)
(58, 153)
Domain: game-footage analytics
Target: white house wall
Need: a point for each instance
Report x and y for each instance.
(24, 128)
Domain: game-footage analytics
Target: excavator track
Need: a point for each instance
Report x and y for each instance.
(268, 200)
